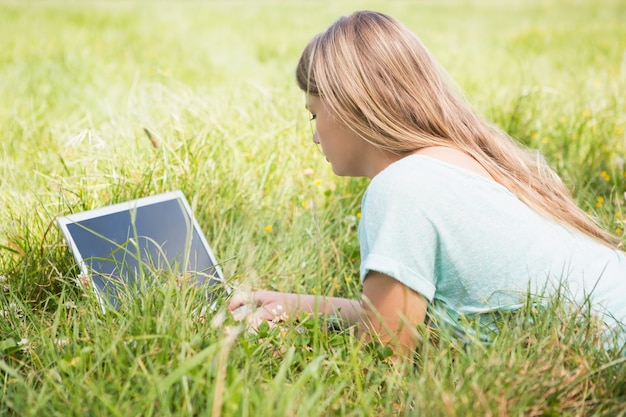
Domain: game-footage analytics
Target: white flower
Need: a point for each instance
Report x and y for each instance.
(280, 315)
(62, 341)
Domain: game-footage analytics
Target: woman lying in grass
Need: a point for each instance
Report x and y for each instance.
(458, 218)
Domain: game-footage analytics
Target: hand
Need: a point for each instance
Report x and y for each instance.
(257, 306)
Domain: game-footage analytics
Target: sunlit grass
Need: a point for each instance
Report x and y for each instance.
(102, 102)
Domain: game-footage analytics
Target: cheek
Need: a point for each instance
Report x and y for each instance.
(325, 128)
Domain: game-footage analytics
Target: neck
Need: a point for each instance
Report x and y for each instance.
(380, 160)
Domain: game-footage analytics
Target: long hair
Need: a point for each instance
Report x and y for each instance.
(379, 79)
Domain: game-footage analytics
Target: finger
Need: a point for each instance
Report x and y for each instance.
(264, 313)
(243, 311)
(239, 299)
(255, 319)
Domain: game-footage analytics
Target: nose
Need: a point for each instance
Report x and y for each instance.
(316, 138)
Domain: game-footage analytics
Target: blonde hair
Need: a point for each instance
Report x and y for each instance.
(379, 79)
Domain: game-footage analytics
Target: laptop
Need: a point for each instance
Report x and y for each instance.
(122, 248)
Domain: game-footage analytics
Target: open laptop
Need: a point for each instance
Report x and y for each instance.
(120, 249)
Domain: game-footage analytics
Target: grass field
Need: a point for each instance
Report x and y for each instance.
(212, 81)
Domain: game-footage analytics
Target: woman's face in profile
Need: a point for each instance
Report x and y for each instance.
(347, 153)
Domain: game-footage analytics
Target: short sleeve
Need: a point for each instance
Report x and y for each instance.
(397, 238)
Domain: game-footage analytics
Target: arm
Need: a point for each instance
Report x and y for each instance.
(391, 313)
(272, 304)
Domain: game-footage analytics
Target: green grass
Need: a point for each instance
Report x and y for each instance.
(213, 83)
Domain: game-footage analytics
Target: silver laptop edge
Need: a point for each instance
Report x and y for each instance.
(86, 277)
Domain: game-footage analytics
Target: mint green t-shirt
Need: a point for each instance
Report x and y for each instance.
(466, 243)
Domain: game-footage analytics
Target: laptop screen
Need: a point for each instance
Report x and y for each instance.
(126, 245)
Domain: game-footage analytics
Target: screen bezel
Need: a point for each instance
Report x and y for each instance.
(86, 276)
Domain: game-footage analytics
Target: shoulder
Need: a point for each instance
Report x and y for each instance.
(418, 174)
(403, 177)
(422, 183)
(412, 184)
(434, 169)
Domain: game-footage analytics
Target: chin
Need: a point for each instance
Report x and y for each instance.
(337, 171)
(345, 173)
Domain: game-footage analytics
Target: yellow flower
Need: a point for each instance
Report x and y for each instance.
(348, 279)
(599, 201)
(563, 119)
(269, 228)
(305, 204)
(318, 182)
(358, 215)
(605, 175)
(619, 231)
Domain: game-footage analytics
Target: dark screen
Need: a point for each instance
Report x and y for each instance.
(123, 249)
